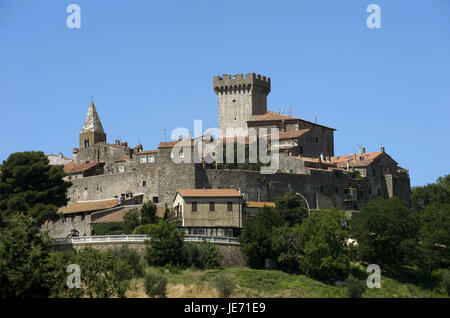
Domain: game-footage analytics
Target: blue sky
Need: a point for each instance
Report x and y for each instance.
(149, 66)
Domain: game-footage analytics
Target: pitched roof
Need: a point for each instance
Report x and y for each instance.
(269, 116)
(121, 159)
(116, 216)
(256, 204)
(355, 159)
(181, 143)
(292, 134)
(92, 122)
(146, 152)
(88, 206)
(78, 167)
(273, 116)
(209, 193)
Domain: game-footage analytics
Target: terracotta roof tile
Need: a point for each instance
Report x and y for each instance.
(269, 116)
(147, 152)
(256, 204)
(89, 206)
(78, 167)
(171, 144)
(116, 216)
(209, 193)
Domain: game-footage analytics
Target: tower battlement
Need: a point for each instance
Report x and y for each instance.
(239, 82)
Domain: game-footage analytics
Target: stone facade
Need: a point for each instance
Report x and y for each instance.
(307, 164)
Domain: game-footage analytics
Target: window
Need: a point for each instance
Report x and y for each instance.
(72, 218)
(321, 188)
(317, 140)
(143, 159)
(82, 217)
(155, 199)
(379, 191)
(121, 168)
(194, 206)
(230, 206)
(301, 150)
(151, 158)
(181, 154)
(144, 183)
(212, 206)
(86, 143)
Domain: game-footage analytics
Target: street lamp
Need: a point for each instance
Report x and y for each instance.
(307, 205)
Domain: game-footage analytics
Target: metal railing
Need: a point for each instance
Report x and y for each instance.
(138, 238)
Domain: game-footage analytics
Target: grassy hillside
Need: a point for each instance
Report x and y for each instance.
(269, 283)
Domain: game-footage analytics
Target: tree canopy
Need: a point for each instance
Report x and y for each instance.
(28, 184)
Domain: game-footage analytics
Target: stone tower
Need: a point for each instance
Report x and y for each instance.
(239, 98)
(92, 131)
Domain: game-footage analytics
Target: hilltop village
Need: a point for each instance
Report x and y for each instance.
(110, 178)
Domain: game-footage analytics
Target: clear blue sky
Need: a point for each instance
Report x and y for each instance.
(149, 66)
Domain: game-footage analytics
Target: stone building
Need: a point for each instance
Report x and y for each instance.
(307, 160)
(216, 212)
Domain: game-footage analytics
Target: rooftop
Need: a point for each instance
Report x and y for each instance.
(78, 167)
(209, 193)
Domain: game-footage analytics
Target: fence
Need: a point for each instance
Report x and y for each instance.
(138, 238)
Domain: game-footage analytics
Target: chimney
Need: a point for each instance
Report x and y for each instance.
(363, 150)
(124, 144)
(382, 149)
(117, 142)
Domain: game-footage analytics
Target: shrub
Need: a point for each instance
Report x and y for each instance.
(131, 218)
(445, 281)
(355, 287)
(155, 285)
(225, 285)
(142, 229)
(131, 257)
(202, 256)
(165, 245)
(148, 212)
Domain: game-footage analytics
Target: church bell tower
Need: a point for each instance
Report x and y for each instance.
(92, 131)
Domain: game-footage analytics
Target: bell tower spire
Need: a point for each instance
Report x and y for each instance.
(92, 131)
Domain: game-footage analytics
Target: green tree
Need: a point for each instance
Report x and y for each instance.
(103, 275)
(291, 208)
(431, 194)
(287, 246)
(148, 212)
(30, 185)
(165, 246)
(386, 231)
(256, 236)
(322, 240)
(25, 270)
(131, 218)
(434, 237)
(204, 255)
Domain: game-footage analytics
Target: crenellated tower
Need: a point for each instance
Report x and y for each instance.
(239, 98)
(92, 131)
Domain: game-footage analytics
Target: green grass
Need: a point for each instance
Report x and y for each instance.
(259, 283)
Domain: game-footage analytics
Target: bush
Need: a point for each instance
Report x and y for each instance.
(110, 228)
(225, 285)
(148, 212)
(355, 287)
(131, 257)
(165, 245)
(131, 218)
(445, 281)
(142, 229)
(155, 285)
(202, 256)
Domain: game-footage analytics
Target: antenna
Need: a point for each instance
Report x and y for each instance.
(282, 110)
(164, 134)
(315, 118)
(290, 111)
(360, 147)
(92, 98)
